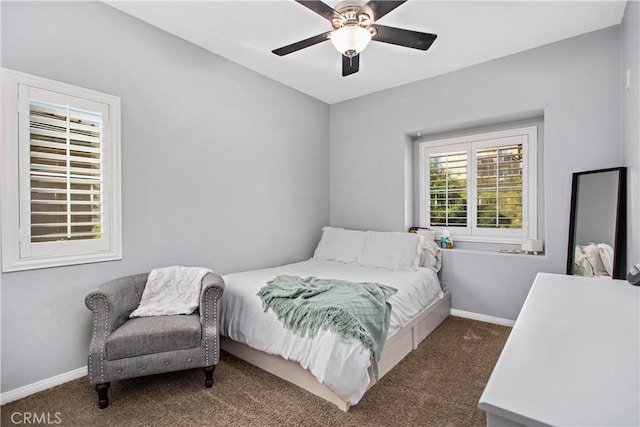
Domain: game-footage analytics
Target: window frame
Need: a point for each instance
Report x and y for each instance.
(18, 252)
(472, 233)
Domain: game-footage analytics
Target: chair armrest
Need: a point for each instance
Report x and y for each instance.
(112, 302)
(210, 295)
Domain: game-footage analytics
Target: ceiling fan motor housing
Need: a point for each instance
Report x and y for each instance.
(349, 10)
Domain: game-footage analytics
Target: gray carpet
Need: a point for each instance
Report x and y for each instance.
(438, 384)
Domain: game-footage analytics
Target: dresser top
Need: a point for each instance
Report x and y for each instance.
(573, 356)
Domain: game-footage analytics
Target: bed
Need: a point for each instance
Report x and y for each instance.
(336, 369)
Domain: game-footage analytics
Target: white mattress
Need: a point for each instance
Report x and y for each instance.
(342, 365)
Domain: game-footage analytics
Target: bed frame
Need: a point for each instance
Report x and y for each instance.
(395, 349)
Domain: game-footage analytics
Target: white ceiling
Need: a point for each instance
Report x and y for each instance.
(469, 32)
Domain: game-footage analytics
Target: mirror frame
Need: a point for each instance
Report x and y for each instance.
(620, 233)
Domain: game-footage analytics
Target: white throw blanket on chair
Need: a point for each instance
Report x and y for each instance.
(171, 290)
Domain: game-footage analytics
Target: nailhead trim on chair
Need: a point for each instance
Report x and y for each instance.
(206, 327)
(206, 320)
(95, 330)
(215, 315)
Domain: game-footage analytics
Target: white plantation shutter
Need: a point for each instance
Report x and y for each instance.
(448, 189)
(499, 186)
(65, 173)
(61, 174)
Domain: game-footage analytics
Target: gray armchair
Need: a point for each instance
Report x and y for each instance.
(125, 348)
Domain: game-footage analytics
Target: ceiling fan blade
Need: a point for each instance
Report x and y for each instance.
(350, 65)
(285, 50)
(321, 9)
(401, 37)
(378, 8)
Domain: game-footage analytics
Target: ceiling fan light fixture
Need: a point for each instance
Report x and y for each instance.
(350, 40)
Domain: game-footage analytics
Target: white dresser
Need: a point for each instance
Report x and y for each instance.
(572, 359)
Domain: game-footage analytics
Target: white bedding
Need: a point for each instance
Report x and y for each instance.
(342, 365)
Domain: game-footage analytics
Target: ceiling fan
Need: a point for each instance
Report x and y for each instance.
(354, 25)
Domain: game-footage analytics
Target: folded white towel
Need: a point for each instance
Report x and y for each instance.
(171, 290)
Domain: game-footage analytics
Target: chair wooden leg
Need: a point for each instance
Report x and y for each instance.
(208, 373)
(103, 397)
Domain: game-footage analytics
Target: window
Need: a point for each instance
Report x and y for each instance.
(61, 174)
(481, 187)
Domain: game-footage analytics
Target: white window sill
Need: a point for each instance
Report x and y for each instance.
(11, 265)
(493, 252)
(485, 239)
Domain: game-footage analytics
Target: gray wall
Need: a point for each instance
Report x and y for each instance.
(630, 60)
(222, 168)
(575, 82)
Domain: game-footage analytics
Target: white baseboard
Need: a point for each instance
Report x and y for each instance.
(29, 389)
(482, 317)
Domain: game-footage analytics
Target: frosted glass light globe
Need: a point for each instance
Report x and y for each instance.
(350, 40)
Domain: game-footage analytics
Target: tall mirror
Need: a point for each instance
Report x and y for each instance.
(597, 226)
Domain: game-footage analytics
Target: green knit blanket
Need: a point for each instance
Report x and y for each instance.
(352, 310)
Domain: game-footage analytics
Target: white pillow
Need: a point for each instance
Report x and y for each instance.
(338, 244)
(400, 251)
(592, 253)
(431, 256)
(606, 256)
(581, 265)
